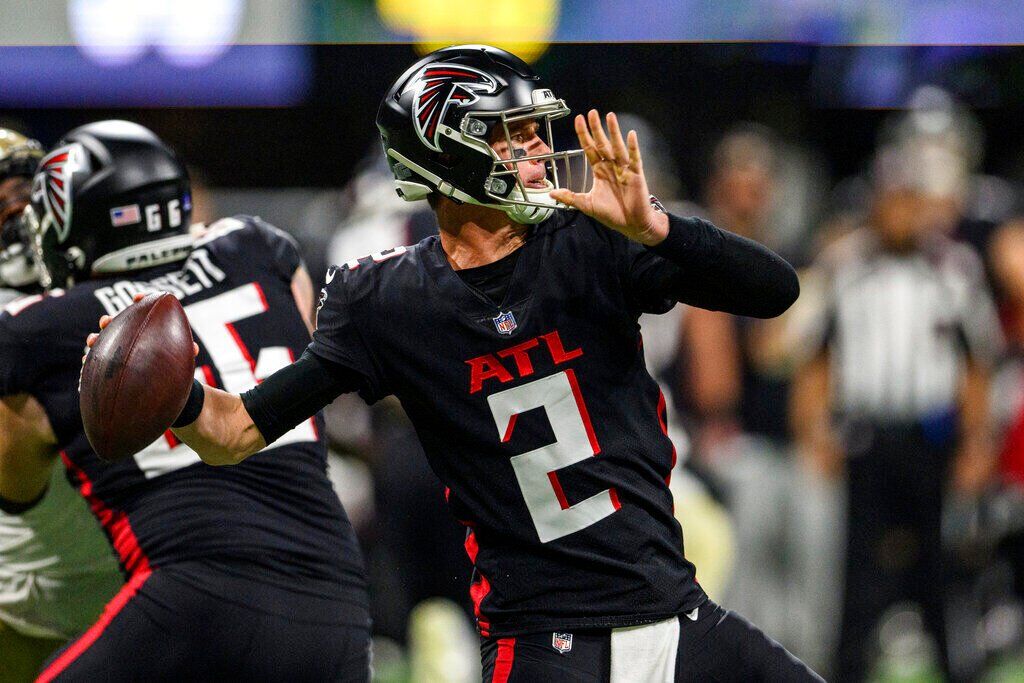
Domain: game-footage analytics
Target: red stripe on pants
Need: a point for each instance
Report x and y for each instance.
(503, 662)
(78, 647)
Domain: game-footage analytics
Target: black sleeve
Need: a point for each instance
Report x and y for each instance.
(341, 329)
(297, 392)
(700, 265)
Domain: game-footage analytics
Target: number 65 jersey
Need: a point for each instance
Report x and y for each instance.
(275, 518)
(538, 415)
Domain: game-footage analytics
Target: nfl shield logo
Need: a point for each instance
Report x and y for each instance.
(561, 642)
(505, 322)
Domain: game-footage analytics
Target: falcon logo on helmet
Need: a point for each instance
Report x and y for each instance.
(436, 87)
(53, 186)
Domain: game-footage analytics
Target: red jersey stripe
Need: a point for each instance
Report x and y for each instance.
(663, 421)
(114, 522)
(480, 587)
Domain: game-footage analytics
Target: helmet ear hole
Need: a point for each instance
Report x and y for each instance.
(412, 191)
(76, 258)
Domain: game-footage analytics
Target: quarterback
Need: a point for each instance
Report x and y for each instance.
(511, 339)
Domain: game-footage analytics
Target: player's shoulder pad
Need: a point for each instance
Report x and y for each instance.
(367, 273)
(563, 219)
(42, 318)
(242, 226)
(573, 224)
(275, 236)
(33, 309)
(579, 235)
(223, 228)
(247, 234)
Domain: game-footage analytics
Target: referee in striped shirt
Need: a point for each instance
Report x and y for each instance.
(895, 390)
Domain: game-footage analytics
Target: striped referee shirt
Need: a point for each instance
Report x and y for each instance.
(899, 327)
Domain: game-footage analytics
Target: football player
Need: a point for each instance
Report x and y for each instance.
(56, 570)
(248, 574)
(19, 157)
(511, 339)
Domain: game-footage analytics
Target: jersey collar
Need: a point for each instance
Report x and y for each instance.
(475, 305)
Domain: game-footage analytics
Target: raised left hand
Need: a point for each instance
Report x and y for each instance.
(619, 198)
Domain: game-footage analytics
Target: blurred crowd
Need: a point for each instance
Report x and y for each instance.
(851, 475)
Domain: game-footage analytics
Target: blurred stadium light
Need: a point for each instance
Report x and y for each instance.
(247, 22)
(261, 52)
(154, 53)
(524, 27)
(185, 32)
(814, 22)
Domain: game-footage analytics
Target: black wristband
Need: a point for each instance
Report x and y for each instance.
(193, 406)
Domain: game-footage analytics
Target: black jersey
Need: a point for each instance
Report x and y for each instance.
(538, 414)
(275, 516)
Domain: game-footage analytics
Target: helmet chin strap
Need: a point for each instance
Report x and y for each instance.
(531, 215)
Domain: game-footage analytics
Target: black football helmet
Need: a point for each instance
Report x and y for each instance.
(110, 198)
(19, 157)
(438, 119)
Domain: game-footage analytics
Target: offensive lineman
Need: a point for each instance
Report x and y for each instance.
(512, 341)
(251, 574)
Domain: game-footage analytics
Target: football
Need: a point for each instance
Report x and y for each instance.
(137, 377)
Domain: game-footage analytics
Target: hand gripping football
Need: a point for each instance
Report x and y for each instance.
(137, 377)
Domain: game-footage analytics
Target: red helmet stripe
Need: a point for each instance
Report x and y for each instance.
(63, 156)
(432, 92)
(433, 73)
(425, 114)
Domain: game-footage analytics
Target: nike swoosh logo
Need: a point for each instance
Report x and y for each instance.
(692, 616)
